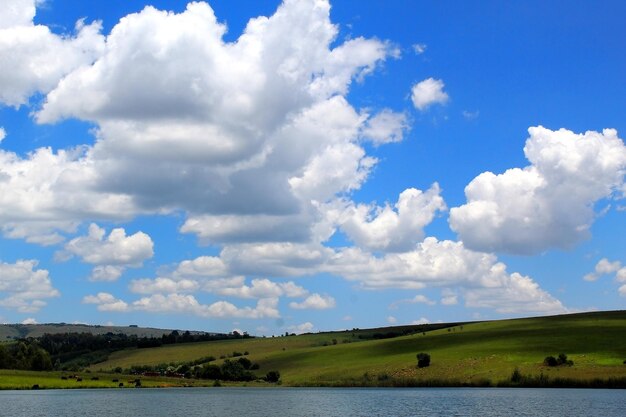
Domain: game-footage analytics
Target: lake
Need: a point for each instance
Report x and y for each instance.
(191, 402)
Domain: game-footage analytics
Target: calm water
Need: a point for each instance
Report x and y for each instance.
(191, 402)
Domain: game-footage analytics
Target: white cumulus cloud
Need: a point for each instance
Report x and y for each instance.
(478, 277)
(112, 253)
(428, 92)
(394, 229)
(386, 127)
(33, 58)
(548, 203)
(106, 302)
(177, 129)
(24, 288)
(314, 302)
(306, 327)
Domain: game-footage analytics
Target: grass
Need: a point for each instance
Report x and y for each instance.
(473, 354)
(11, 379)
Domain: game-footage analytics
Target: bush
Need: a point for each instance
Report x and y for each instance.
(423, 360)
(561, 360)
(516, 376)
(211, 372)
(245, 362)
(550, 361)
(234, 371)
(272, 376)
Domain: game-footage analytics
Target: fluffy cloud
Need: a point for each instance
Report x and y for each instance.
(386, 127)
(264, 288)
(276, 259)
(262, 167)
(175, 303)
(163, 286)
(476, 276)
(548, 203)
(306, 327)
(418, 299)
(428, 92)
(3, 134)
(449, 298)
(419, 48)
(519, 295)
(603, 267)
(176, 128)
(46, 192)
(314, 302)
(24, 288)
(33, 58)
(429, 264)
(112, 253)
(383, 228)
(422, 299)
(106, 302)
(211, 274)
(606, 267)
(185, 304)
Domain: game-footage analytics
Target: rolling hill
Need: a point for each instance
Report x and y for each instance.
(481, 353)
(16, 331)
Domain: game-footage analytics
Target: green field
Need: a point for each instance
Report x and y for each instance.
(470, 353)
(484, 353)
(10, 379)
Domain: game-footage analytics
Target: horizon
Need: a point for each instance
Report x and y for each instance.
(306, 165)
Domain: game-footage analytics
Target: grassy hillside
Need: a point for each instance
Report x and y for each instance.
(472, 353)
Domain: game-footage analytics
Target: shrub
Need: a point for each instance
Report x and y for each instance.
(245, 362)
(423, 360)
(272, 376)
(561, 360)
(234, 371)
(516, 376)
(211, 372)
(550, 361)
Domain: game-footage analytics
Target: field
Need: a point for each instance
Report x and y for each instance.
(467, 354)
(482, 353)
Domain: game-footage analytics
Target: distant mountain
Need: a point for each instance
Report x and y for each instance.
(16, 331)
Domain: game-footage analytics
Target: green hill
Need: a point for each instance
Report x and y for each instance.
(471, 353)
(16, 331)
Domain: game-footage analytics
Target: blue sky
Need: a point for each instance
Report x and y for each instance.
(305, 166)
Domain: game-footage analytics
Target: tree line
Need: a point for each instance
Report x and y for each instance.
(72, 351)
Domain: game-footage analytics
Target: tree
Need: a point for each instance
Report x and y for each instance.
(562, 360)
(211, 372)
(5, 359)
(245, 362)
(234, 371)
(272, 376)
(423, 360)
(550, 361)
